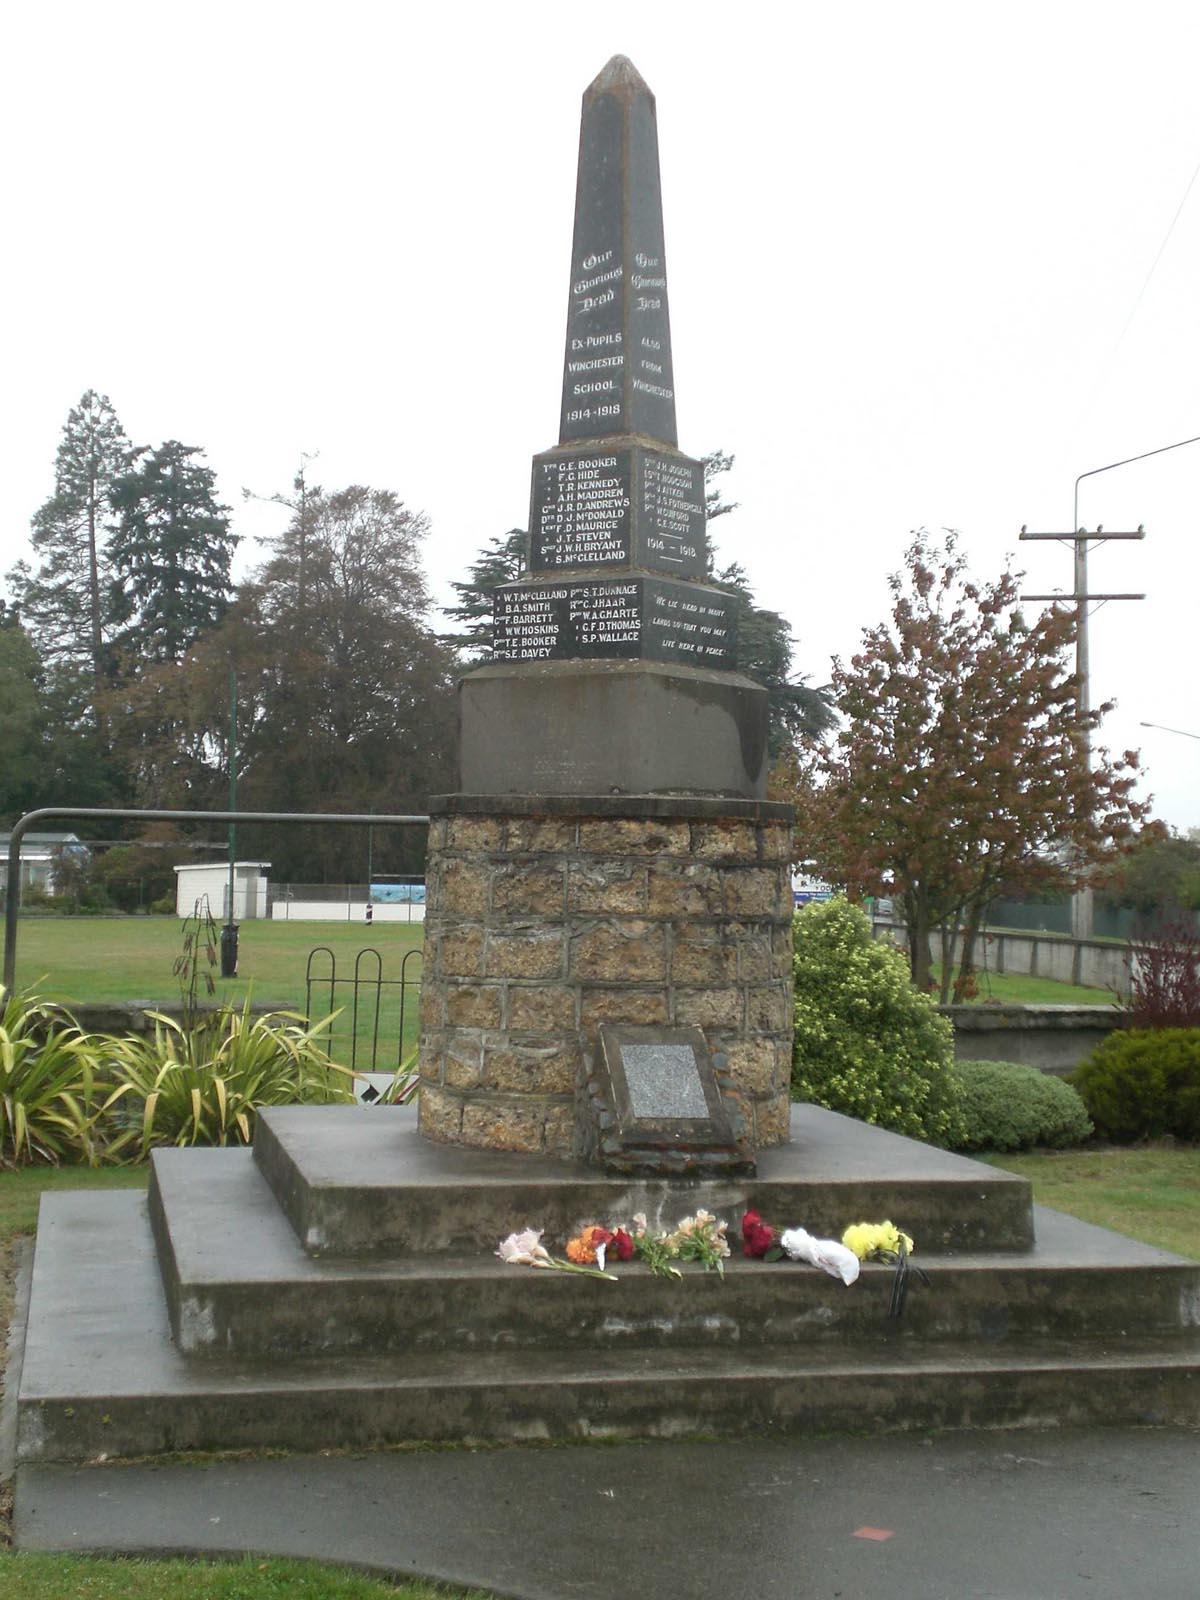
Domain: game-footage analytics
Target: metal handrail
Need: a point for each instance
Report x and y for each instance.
(82, 813)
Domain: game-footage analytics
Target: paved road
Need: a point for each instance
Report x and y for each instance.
(1095, 1513)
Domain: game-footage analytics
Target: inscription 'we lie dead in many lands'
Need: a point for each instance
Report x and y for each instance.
(635, 618)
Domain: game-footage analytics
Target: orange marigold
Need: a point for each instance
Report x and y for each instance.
(580, 1251)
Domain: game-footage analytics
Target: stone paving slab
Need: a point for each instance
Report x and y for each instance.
(1095, 1514)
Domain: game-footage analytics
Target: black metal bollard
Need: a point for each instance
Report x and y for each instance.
(229, 950)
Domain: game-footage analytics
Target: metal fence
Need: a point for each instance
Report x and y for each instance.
(370, 1007)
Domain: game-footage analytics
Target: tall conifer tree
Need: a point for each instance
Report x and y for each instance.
(65, 599)
(171, 552)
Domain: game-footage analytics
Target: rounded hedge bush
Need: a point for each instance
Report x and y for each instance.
(1143, 1083)
(1010, 1107)
(866, 1043)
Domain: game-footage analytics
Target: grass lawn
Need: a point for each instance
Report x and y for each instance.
(80, 959)
(1149, 1194)
(130, 958)
(1014, 989)
(53, 1577)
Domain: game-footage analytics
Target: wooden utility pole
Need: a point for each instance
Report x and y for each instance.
(1081, 901)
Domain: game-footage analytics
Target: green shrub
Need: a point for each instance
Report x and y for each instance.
(866, 1043)
(1009, 1107)
(48, 1085)
(204, 1084)
(1143, 1083)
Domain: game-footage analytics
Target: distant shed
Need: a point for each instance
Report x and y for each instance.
(250, 889)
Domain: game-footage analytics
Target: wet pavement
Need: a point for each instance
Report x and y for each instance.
(1109, 1514)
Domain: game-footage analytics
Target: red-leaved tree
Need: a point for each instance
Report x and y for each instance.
(963, 765)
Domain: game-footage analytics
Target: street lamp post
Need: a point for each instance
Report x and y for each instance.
(1080, 538)
(1162, 727)
(229, 933)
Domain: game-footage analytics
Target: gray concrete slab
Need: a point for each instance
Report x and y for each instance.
(100, 1374)
(355, 1179)
(1098, 1513)
(237, 1280)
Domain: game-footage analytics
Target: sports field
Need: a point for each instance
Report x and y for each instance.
(75, 960)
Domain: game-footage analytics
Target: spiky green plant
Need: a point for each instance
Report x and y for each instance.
(49, 1088)
(405, 1082)
(203, 1085)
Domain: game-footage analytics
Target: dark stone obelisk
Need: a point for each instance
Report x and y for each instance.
(610, 863)
(617, 376)
(614, 659)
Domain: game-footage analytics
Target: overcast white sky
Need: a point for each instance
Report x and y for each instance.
(907, 248)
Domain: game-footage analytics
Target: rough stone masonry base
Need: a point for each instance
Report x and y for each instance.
(546, 918)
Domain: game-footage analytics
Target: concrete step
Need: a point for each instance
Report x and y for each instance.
(100, 1374)
(238, 1281)
(357, 1180)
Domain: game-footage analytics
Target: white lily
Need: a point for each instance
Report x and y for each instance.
(524, 1249)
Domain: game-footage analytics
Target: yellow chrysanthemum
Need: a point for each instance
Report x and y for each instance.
(865, 1238)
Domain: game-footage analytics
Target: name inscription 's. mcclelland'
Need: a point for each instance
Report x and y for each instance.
(649, 618)
(625, 506)
(581, 511)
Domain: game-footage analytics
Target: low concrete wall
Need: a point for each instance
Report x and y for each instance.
(1054, 1038)
(343, 911)
(119, 1017)
(1091, 963)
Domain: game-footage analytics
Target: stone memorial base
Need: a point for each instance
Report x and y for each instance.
(610, 727)
(547, 918)
(336, 1288)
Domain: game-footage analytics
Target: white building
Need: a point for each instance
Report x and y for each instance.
(40, 854)
(211, 879)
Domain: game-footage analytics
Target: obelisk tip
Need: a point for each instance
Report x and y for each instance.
(619, 73)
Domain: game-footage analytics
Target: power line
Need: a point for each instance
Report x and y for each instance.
(1102, 379)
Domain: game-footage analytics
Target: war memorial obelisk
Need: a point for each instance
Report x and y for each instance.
(610, 859)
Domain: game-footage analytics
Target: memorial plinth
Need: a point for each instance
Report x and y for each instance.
(617, 569)
(610, 858)
(544, 922)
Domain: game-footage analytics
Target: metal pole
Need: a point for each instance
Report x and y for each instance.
(140, 814)
(229, 933)
(1162, 727)
(1082, 901)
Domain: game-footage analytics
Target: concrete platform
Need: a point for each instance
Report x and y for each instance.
(224, 1333)
(354, 1180)
(237, 1281)
(194, 1318)
(101, 1375)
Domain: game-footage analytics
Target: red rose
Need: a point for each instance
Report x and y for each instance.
(757, 1237)
(622, 1245)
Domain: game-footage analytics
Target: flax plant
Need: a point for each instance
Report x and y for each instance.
(48, 1085)
(203, 1085)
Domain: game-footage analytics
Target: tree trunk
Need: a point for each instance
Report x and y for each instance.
(920, 960)
(94, 588)
(947, 931)
(965, 985)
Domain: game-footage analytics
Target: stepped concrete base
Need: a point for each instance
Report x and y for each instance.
(102, 1377)
(353, 1182)
(226, 1333)
(236, 1283)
